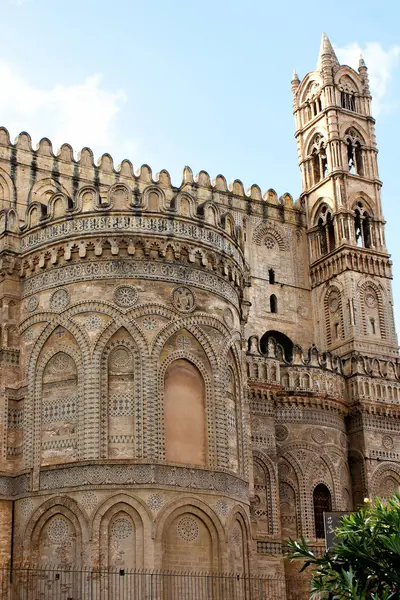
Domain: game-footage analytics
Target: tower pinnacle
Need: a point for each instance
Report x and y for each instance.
(326, 49)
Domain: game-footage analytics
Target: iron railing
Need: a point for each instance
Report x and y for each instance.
(73, 583)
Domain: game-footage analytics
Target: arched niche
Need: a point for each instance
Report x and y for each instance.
(281, 339)
(57, 542)
(121, 538)
(232, 420)
(55, 534)
(190, 541)
(238, 546)
(184, 414)
(262, 508)
(121, 403)
(59, 410)
(288, 510)
(334, 322)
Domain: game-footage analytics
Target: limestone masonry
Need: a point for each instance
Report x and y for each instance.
(190, 375)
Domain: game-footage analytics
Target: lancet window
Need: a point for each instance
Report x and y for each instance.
(362, 226)
(347, 89)
(322, 503)
(313, 104)
(319, 159)
(355, 160)
(347, 101)
(325, 232)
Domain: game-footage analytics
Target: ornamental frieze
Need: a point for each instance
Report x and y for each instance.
(110, 224)
(142, 474)
(139, 269)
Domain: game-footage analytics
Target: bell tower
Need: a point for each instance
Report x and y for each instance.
(350, 270)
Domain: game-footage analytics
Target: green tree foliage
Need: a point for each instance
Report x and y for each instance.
(364, 563)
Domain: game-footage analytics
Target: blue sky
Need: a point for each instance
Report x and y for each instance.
(200, 83)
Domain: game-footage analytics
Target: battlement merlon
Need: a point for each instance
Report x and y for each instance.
(28, 176)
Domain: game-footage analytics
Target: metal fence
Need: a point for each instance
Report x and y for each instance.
(51, 583)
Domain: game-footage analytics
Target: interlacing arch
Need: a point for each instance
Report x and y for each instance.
(131, 327)
(123, 508)
(268, 469)
(210, 405)
(82, 360)
(380, 475)
(58, 505)
(191, 325)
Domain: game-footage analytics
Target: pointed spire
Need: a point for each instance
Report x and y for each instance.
(326, 50)
(295, 87)
(361, 64)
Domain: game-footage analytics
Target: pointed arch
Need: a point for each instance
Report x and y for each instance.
(191, 535)
(38, 359)
(384, 480)
(266, 493)
(36, 533)
(238, 536)
(334, 316)
(121, 523)
(187, 345)
(184, 413)
(322, 502)
(121, 404)
(373, 301)
(7, 191)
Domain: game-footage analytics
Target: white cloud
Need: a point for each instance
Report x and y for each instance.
(82, 114)
(381, 65)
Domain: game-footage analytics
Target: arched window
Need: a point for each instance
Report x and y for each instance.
(313, 105)
(330, 230)
(322, 503)
(318, 159)
(323, 246)
(271, 276)
(325, 232)
(362, 226)
(184, 414)
(354, 142)
(281, 339)
(273, 303)
(347, 100)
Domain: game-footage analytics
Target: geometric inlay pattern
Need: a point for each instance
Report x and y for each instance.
(188, 529)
